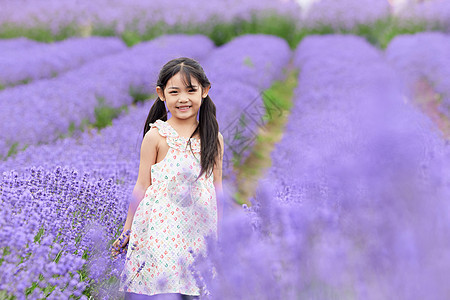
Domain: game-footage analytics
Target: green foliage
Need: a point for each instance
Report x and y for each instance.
(248, 62)
(21, 82)
(37, 237)
(105, 114)
(39, 33)
(24, 81)
(41, 283)
(383, 31)
(85, 124)
(278, 97)
(138, 95)
(103, 31)
(6, 251)
(238, 140)
(277, 102)
(131, 38)
(4, 295)
(13, 150)
(303, 32)
(268, 22)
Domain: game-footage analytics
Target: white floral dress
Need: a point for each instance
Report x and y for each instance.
(176, 214)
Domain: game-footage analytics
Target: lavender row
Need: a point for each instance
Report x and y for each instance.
(355, 203)
(348, 14)
(11, 45)
(343, 14)
(423, 56)
(366, 163)
(258, 59)
(48, 60)
(50, 220)
(139, 15)
(343, 79)
(41, 111)
(434, 13)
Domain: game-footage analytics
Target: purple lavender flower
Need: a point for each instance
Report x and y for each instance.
(137, 15)
(343, 14)
(423, 56)
(54, 238)
(49, 60)
(435, 13)
(344, 211)
(11, 45)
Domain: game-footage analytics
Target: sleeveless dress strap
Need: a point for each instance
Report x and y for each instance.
(173, 139)
(164, 129)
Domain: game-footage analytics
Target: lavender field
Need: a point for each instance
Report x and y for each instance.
(355, 203)
(138, 20)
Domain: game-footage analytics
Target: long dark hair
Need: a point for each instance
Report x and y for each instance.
(207, 123)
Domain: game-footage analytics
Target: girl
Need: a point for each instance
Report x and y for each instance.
(174, 202)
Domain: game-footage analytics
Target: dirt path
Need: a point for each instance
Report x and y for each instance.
(278, 101)
(428, 101)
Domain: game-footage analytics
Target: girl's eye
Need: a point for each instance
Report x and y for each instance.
(191, 91)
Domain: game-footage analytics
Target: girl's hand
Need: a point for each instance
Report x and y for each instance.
(120, 245)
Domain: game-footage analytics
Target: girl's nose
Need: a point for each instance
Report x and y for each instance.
(183, 97)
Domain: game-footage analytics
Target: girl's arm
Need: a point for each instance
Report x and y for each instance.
(217, 173)
(149, 150)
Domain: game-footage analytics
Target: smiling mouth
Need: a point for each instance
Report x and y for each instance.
(185, 107)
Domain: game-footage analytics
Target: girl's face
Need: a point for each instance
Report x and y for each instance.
(182, 101)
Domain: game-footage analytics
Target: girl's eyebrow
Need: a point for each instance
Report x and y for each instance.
(177, 88)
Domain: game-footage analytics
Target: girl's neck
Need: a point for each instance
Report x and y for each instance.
(184, 128)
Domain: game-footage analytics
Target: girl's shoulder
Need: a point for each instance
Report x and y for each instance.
(173, 139)
(164, 128)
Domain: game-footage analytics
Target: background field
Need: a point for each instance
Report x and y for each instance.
(336, 119)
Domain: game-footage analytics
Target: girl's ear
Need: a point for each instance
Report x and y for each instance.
(160, 92)
(205, 92)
